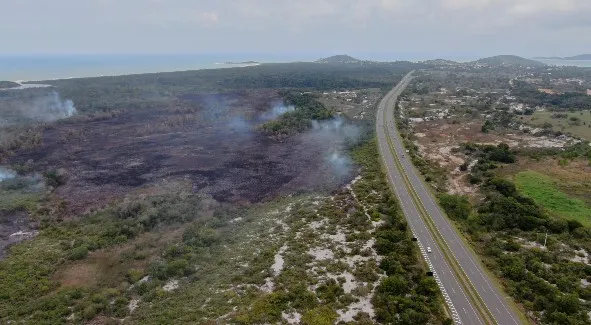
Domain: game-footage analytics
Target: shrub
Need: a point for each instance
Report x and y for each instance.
(320, 316)
(456, 206)
(78, 253)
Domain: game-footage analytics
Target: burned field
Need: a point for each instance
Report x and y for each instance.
(211, 140)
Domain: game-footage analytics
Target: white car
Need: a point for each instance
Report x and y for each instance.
(428, 249)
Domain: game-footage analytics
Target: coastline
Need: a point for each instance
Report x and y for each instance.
(34, 68)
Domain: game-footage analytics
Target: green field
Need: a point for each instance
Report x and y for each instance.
(543, 190)
(580, 128)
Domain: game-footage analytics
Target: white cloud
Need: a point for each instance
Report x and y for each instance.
(209, 18)
(303, 25)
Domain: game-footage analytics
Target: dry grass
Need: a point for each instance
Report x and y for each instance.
(580, 129)
(110, 267)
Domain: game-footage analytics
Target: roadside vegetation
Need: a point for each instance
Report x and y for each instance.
(543, 191)
(519, 198)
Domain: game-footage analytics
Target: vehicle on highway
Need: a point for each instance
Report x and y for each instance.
(428, 249)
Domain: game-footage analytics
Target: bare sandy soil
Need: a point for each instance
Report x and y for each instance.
(437, 139)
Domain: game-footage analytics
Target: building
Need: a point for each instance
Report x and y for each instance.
(588, 92)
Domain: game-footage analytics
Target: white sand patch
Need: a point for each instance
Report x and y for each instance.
(269, 285)
(377, 224)
(352, 260)
(321, 254)
(133, 305)
(369, 244)
(350, 284)
(283, 225)
(27, 234)
(340, 237)
(530, 244)
(581, 256)
(171, 285)
(289, 208)
(277, 267)
(291, 318)
(316, 224)
(279, 262)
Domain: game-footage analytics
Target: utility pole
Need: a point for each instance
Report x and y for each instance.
(546, 239)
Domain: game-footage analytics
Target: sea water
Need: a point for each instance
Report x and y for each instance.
(47, 67)
(572, 63)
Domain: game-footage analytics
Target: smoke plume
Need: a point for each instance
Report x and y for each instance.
(49, 108)
(6, 173)
(277, 110)
(335, 135)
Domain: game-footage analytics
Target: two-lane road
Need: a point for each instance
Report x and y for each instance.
(462, 306)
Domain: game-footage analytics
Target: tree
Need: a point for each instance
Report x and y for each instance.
(456, 206)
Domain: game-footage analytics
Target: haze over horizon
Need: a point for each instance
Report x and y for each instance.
(364, 28)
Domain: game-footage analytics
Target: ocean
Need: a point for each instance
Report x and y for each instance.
(46, 67)
(575, 63)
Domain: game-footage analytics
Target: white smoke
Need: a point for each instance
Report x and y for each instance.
(338, 126)
(340, 162)
(335, 134)
(49, 108)
(239, 124)
(277, 110)
(6, 173)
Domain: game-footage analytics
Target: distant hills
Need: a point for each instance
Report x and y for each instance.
(580, 57)
(499, 60)
(8, 84)
(339, 59)
(509, 60)
(440, 62)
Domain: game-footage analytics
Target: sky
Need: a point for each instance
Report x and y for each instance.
(366, 28)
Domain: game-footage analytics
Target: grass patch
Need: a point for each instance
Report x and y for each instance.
(543, 190)
(577, 123)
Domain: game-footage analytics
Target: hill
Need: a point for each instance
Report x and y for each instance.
(8, 84)
(509, 60)
(578, 57)
(339, 59)
(440, 62)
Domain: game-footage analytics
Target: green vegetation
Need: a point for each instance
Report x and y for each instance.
(456, 206)
(508, 219)
(20, 194)
(307, 108)
(542, 189)
(488, 157)
(129, 252)
(576, 123)
(406, 295)
(501, 60)
(340, 59)
(131, 92)
(530, 95)
(508, 229)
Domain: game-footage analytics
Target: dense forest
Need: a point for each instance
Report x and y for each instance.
(145, 90)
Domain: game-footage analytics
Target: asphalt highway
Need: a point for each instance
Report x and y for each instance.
(455, 281)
